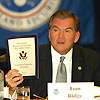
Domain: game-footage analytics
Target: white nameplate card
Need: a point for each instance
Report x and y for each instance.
(22, 51)
(71, 91)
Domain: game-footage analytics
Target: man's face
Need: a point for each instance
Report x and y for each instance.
(62, 35)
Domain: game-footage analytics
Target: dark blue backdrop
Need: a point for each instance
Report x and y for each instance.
(84, 9)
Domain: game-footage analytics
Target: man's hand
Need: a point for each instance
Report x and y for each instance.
(13, 78)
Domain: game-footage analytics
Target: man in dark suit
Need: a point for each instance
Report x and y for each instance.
(82, 64)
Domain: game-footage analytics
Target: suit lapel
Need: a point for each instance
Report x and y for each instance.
(47, 63)
(77, 65)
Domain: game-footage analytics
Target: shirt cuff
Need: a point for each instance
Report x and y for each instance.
(14, 96)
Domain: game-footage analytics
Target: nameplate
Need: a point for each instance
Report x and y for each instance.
(71, 91)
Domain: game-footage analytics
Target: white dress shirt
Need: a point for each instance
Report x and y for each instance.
(56, 60)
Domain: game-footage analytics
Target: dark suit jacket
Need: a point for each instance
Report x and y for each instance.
(87, 59)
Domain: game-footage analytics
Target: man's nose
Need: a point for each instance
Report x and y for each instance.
(61, 34)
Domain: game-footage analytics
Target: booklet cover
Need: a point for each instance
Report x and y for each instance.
(23, 54)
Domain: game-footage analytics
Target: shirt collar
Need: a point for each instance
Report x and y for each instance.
(57, 55)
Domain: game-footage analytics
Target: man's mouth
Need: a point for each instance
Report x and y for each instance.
(60, 42)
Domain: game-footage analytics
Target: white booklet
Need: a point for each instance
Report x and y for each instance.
(23, 54)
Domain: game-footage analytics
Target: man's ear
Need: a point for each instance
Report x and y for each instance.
(77, 35)
(49, 36)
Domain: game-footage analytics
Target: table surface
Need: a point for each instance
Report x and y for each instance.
(98, 98)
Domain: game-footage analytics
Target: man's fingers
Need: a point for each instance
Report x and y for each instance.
(13, 78)
(12, 75)
(17, 78)
(16, 81)
(11, 72)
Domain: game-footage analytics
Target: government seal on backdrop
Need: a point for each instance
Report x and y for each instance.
(25, 15)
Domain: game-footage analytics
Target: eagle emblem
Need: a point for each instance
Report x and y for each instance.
(23, 55)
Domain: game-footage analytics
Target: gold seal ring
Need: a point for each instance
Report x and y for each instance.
(13, 80)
